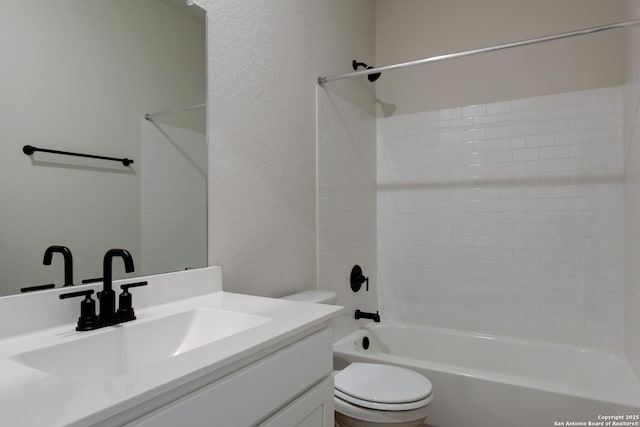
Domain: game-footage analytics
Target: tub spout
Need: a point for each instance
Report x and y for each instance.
(364, 315)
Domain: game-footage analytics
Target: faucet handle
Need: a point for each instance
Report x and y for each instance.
(132, 285)
(125, 306)
(37, 288)
(357, 278)
(88, 319)
(77, 294)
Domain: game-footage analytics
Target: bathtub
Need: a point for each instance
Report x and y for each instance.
(492, 381)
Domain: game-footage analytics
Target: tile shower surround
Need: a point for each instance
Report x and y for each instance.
(506, 218)
(346, 199)
(632, 223)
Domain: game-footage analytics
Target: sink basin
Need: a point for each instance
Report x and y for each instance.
(121, 349)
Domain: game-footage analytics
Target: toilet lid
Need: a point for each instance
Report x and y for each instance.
(384, 384)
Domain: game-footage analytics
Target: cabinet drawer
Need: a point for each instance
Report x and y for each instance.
(249, 395)
(312, 409)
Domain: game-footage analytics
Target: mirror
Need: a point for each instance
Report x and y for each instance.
(79, 76)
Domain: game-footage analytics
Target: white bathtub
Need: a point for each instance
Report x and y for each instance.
(491, 381)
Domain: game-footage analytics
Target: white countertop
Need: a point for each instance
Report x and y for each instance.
(29, 397)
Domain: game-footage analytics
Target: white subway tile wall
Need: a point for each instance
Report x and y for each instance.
(346, 199)
(632, 223)
(506, 218)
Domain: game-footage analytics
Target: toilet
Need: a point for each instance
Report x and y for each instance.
(375, 395)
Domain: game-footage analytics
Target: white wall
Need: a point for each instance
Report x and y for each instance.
(632, 193)
(415, 29)
(264, 59)
(70, 82)
(262, 157)
(506, 218)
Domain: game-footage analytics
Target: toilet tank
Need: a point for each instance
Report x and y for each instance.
(317, 297)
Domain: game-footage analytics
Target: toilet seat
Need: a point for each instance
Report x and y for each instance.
(382, 387)
(383, 406)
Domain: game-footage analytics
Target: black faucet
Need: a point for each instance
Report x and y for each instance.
(68, 262)
(107, 297)
(364, 315)
(108, 316)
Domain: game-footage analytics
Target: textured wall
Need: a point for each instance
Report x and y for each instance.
(414, 29)
(506, 217)
(632, 192)
(264, 59)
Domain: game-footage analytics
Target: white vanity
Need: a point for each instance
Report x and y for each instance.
(195, 356)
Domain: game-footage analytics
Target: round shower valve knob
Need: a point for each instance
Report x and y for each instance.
(357, 279)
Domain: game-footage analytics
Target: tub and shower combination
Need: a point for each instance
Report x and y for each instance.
(491, 381)
(483, 380)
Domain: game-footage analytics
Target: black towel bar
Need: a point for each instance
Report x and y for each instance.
(29, 150)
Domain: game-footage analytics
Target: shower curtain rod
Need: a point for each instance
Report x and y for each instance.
(323, 80)
(150, 116)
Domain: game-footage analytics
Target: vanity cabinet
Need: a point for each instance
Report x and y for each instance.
(291, 387)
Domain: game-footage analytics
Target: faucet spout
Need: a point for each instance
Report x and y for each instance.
(107, 270)
(364, 315)
(68, 261)
(107, 296)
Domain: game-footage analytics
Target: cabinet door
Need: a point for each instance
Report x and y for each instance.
(248, 396)
(312, 409)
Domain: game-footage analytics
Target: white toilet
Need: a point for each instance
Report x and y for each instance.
(375, 395)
